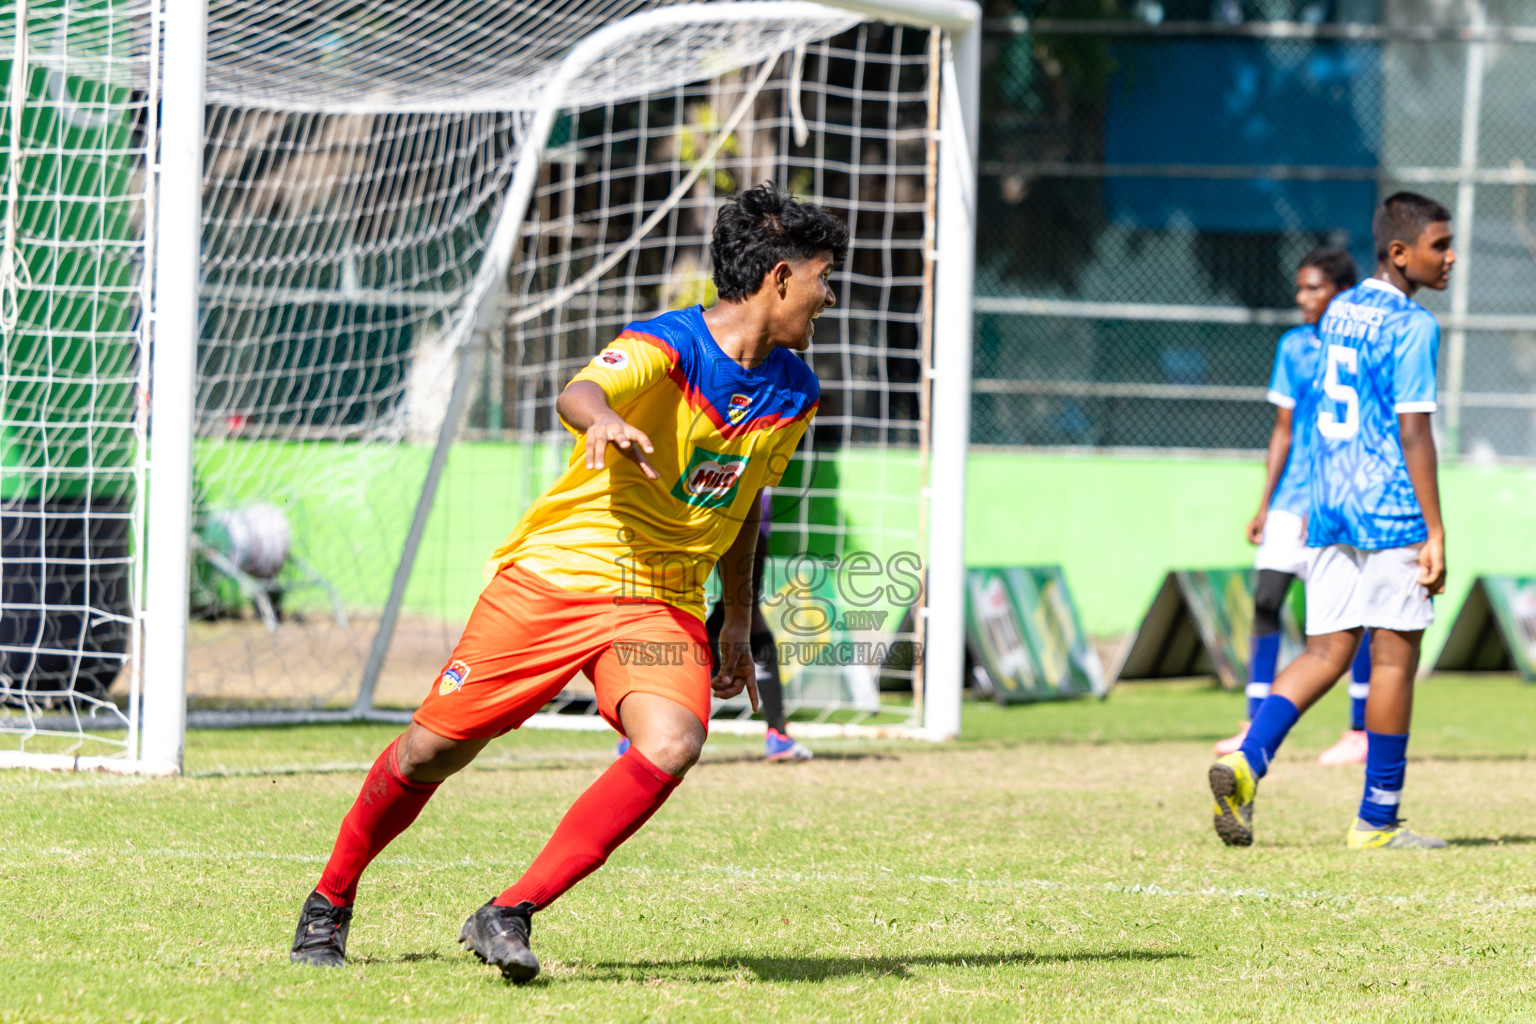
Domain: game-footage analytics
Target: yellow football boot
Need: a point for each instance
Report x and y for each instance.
(1365, 836)
(1234, 787)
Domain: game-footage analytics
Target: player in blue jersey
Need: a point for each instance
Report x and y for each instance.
(1279, 528)
(1374, 523)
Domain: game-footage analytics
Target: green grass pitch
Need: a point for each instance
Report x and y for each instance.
(1057, 865)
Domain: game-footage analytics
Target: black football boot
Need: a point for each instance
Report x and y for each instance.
(321, 939)
(499, 937)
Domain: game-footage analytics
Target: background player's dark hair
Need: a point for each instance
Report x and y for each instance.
(1337, 265)
(1402, 217)
(762, 226)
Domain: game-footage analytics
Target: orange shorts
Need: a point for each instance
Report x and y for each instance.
(527, 638)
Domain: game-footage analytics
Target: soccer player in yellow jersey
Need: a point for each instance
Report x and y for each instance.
(680, 423)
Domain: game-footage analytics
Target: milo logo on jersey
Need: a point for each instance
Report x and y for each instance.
(710, 479)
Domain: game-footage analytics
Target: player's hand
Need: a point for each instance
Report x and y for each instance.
(1256, 528)
(1432, 565)
(630, 441)
(737, 669)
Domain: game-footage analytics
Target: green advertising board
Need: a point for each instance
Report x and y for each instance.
(1495, 631)
(1200, 623)
(72, 356)
(1024, 634)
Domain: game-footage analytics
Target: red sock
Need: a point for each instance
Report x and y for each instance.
(387, 805)
(611, 810)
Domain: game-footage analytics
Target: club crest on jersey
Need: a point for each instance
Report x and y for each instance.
(739, 405)
(710, 480)
(453, 677)
(612, 359)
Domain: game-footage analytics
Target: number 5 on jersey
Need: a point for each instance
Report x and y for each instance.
(1327, 417)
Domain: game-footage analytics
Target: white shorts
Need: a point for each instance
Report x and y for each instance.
(1348, 588)
(1284, 548)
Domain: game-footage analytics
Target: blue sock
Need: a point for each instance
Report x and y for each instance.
(1360, 683)
(1273, 720)
(1263, 654)
(1386, 762)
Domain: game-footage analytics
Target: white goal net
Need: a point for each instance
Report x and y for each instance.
(620, 230)
(76, 127)
(417, 222)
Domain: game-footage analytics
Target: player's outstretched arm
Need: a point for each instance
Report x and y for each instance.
(737, 672)
(1423, 470)
(1274, 464)
(584, 406)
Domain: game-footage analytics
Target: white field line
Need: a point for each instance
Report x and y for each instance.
(35, 782)
(31, 782)
(30, 857)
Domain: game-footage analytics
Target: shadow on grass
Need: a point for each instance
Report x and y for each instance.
(455, 959)
(1471, 758)
(1493, 841)
(1092, 738)
(824, 968)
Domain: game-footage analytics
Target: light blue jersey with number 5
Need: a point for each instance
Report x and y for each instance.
(1378, 356)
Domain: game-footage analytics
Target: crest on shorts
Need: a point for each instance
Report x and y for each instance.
(738, 409)
(453, 677)
(612, 359)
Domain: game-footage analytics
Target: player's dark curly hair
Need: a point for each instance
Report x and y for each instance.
(1402, 217)
(762, 226)
(1337, 266)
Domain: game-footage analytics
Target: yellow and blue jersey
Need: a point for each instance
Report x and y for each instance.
(1379, 349)
(721, 433)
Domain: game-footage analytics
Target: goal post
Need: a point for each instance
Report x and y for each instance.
(407, 234)
(944, 675)
(176, 259)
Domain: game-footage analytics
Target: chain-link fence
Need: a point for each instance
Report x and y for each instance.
(1151, 175)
